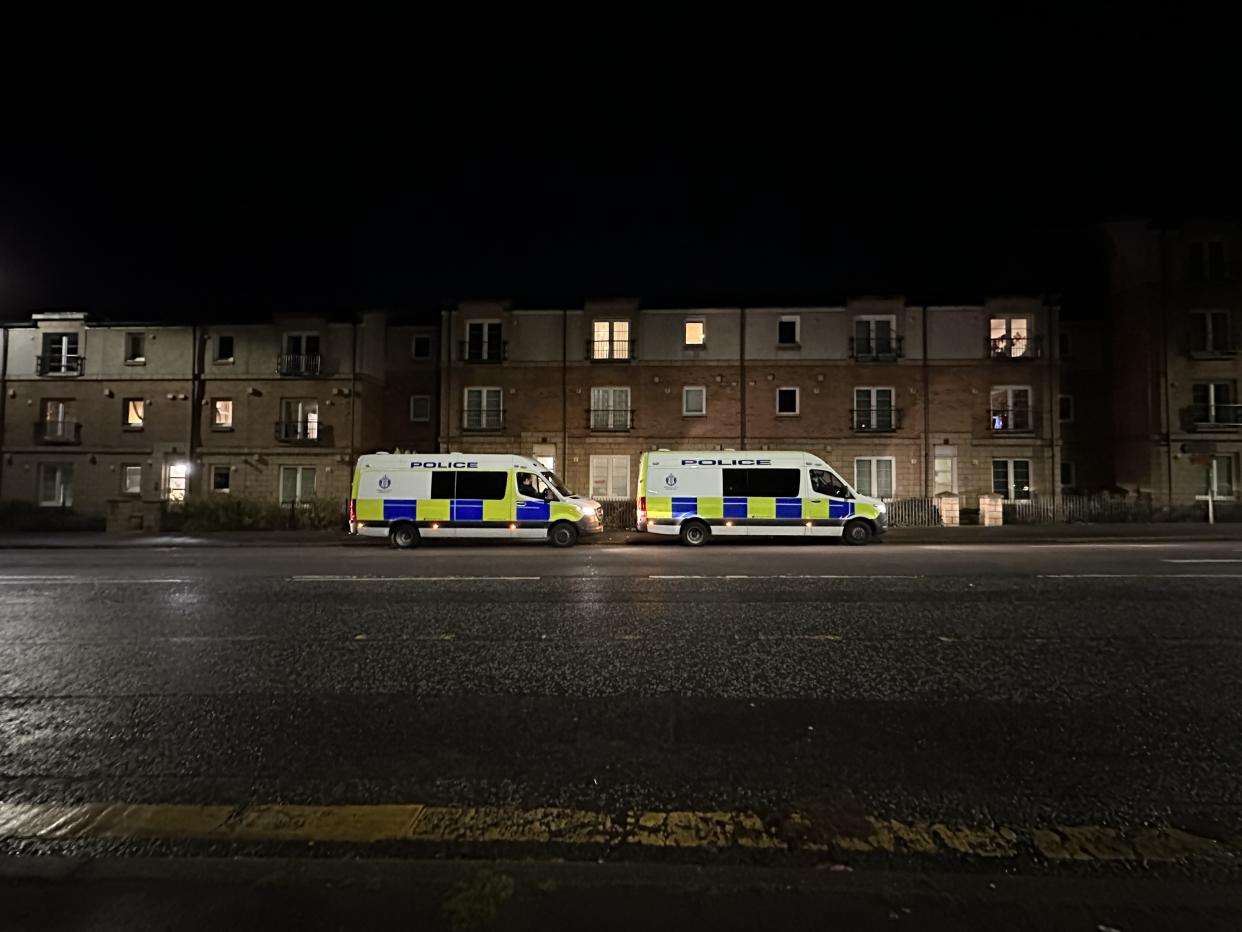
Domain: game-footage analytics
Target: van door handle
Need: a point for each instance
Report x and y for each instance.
(817, 501)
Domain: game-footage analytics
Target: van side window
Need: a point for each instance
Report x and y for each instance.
(489, 486)
(532, 486)
(774, 483)
(735, 482)
(825, 483)
(442, 484)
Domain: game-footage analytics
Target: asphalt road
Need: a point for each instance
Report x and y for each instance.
(1066, 716)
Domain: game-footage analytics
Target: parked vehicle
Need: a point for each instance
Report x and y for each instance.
(406, 497)
(696, 495)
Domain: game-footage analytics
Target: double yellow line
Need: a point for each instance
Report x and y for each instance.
(684, 829)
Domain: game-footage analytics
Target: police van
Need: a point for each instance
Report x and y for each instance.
(698, 495)
(406, 497)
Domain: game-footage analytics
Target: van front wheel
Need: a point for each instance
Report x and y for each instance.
(563, 535)
(857, 533)
(405, 536)
(694, 533)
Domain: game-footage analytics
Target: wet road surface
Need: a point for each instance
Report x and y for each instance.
(1067, 713)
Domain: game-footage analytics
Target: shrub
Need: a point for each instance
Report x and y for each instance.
(238, 513)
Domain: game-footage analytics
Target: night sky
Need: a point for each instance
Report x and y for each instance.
(703, 194)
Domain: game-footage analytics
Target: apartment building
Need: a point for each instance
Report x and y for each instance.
(1176, 315)
(908, 399)
(94, 412)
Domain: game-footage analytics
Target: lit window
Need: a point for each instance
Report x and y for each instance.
(1010, 337)
(786, 401)
(696, 332)
(178, 481)
(135, 409)
(694, 401)
(610, 339)
(610, 476)
(221, 477)
(222, 413)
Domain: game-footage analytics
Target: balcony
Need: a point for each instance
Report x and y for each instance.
(298, 364)
(65, 433)
(60, 365)
(1011, 421)
(1015, 348)
(491, 351)
(1224, 418)
(876, 349)
(304, 433)
(610, 350)
(875, 420)
(611, 420)
(480, 420)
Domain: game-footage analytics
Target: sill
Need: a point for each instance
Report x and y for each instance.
(135, 362)
(222, 428)
(781, 346)
(788, 414)
(129, 429)
(222, 362)
(694, 346)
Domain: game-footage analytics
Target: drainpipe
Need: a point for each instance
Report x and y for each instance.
(4, 396)
(565, 392)
(926, 413)
(446, 353)
(196, 407)
(1053, 377)
(1164, 360)
(353, 386)
(741, 376)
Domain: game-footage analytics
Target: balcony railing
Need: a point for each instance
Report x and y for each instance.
(1205, 418)
(309, 432)
(610, 350)
(1011, 420)
(876, 349)
(298, 364)
(68, 432)
(60, 365)
(875, 420)
(611, 419)
(487, 351)
(483, 419)
(1015, 347)
(1221, 344)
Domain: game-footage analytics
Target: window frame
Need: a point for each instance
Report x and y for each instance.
(420, 420)
(1065, 344)
(1011, 495)
(610, 480)
(485, 355)
(211, 478)
(796, 320)
(685, 332)
(414, 354)
(1212, 487)
(872, 407)
(64, 489)
(302, 336)
(1073, 474)
(1209, 331)
(310, 428)
(612, 410)
(465, 407)
(1062, 398)
(216, 424)
(126, 424)
(125, 489)
(1006, 339)
(1009, 408)
(797, 411)
(612, 341)
(685, 410)
(219, 360)
(130, 359)
(299, 498)
(167, 492)
(873, 476)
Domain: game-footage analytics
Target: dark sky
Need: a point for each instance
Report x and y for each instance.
(804, 187)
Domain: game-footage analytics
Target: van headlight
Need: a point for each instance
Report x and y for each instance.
(881, 508)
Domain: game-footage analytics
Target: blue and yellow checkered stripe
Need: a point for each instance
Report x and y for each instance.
(743, 509)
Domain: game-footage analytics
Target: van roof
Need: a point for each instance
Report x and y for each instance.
(659, 457)
(403, 460)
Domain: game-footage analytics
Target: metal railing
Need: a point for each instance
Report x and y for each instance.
(1218, 344)
(60, 365)
(610, 350)
(1011, 420)
(1203, 417)
(620, 514)
(476, 418)
(611, 419)
(486, 351)
(302, 432)
(875, 419)
(57, 432)
(877, 348)
(298, 363)
(913, 512)
(1015, 347)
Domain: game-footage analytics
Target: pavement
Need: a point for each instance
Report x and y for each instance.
(970, 735)
(1035, 533)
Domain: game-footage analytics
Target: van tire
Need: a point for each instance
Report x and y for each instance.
(562, 534)
(404, 536)
(695, 533)
(856, 533)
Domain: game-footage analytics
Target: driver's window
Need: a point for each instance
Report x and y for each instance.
(825, 483)
(531, 486)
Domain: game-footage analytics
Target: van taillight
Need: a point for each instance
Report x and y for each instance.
(642, 507)
(353, 510)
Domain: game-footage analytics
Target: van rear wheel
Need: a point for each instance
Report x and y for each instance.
(857, 533)
(694, 533)
(405, 536)
(563, 535)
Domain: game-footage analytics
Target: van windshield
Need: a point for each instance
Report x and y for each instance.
(557, 484)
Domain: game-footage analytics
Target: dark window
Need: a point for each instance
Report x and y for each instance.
(735, 482)
(485, 485)
(224, 348)
(483, 340)
(135, 347)
(1066, 408)
(786, 401)
(1067, 473)
(422, 347)
(787, 331)
(220, 477)
(442, 484)
(825, 483)
(1215, 269)
(1065, 344)
(773, 483)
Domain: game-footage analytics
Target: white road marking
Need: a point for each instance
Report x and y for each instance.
(1204, 561)
(797, 576)
(1140, 576)
(414, 578)
(84, 580)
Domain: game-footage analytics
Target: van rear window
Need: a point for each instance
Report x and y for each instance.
(762, 483)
